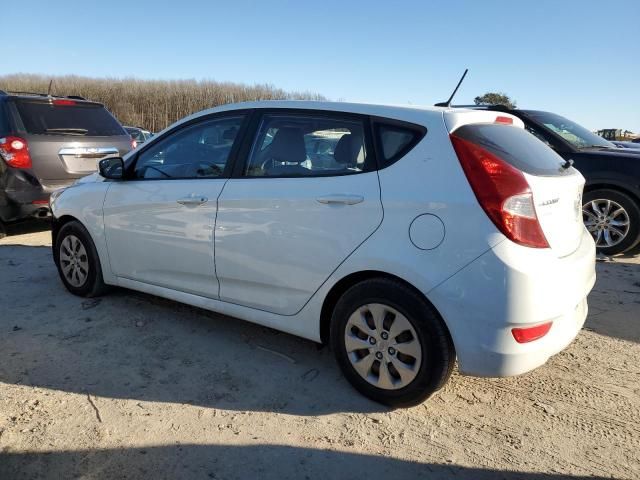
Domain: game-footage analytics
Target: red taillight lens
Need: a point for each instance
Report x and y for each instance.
(15, 152)
(529, 334)
(60, 102)
(134, 144)
(503, 193)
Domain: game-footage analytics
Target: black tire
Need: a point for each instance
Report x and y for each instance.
(632, 237)
(3, 230)
(438, 350)
(93, 285)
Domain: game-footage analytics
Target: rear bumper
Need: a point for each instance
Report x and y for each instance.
(513, 286)
(22, 196)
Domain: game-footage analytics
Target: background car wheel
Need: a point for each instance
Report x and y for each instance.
(77, 261)
(3, 230)
(390, 342)
(613, 218)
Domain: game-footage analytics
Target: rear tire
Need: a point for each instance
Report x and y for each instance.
(3, 230)
(595, 202)
(77, 261)
(407, 355)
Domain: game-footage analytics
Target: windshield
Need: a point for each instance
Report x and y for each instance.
(573, 133)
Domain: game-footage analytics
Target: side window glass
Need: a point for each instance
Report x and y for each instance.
(396, 141)
(306, 146)
(198, 151)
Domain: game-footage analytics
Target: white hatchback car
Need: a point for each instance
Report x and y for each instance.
(404, 237)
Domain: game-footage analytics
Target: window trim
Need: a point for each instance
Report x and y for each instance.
(256, 120)
(245, 114)
(377, 122)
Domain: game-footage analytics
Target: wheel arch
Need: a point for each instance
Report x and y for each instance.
(58, 222)
(602, 185)
(342, 285)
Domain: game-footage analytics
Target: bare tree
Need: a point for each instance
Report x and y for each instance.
(153, 104)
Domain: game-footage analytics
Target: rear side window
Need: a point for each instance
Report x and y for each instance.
(72, 118)
(516, 146)
(299, 145)
(395, 141)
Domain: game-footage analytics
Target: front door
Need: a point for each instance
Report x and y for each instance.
(159, 223)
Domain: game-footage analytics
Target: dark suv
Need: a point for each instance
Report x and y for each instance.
(611, 200)
(47, 143)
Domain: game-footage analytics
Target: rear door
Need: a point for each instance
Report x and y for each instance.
(67, 138)
(557, 191)
(306, 199)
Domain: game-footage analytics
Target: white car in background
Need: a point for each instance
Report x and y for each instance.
(415, 237)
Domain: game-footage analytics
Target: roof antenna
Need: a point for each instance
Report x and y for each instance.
(50, 85)
(448, 102)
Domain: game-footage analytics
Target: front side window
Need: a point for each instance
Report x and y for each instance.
(197, 151)
(307, 146)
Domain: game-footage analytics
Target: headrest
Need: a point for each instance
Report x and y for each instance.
(288, 146)
(347, 149)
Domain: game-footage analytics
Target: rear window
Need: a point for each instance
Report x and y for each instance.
(515, 146)
(395, 141)
(75, 119)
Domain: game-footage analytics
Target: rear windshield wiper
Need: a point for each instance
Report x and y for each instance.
(69, 131)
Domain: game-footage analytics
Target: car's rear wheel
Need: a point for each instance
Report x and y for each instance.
(77, 261)
(390, 342)
(3, 230)
(613, 219)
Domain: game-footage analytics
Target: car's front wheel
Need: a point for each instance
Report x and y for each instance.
(77, 261)
(390, 343)
(613, 219)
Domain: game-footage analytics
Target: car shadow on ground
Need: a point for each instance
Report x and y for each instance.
(27, 226)
(135, 346)
(246, 461)
(131, 345)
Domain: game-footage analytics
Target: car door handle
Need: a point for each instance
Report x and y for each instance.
(193, 200)
(340, 199)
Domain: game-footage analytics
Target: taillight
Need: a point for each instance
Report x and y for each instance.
(134, 143)
(63, 102)
(15, 152)
(503, 193)
(529, 334)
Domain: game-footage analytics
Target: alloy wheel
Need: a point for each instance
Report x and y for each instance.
(383, 346)
(607, 221)
(74, 261)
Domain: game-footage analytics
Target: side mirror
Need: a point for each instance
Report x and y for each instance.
(111, 168)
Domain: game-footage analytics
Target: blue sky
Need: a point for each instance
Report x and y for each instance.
(577, 58)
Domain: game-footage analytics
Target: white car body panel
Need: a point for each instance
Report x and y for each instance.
(276, 243)
(159, 240)
(419, 220)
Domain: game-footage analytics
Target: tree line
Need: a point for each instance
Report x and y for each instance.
(152, 104)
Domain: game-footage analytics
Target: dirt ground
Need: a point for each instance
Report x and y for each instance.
(132, 386)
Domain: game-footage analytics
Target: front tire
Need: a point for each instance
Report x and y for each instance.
(613, 219)
(77, 261)
(390, 343)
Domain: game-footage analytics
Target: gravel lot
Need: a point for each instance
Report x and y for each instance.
(132, 386)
